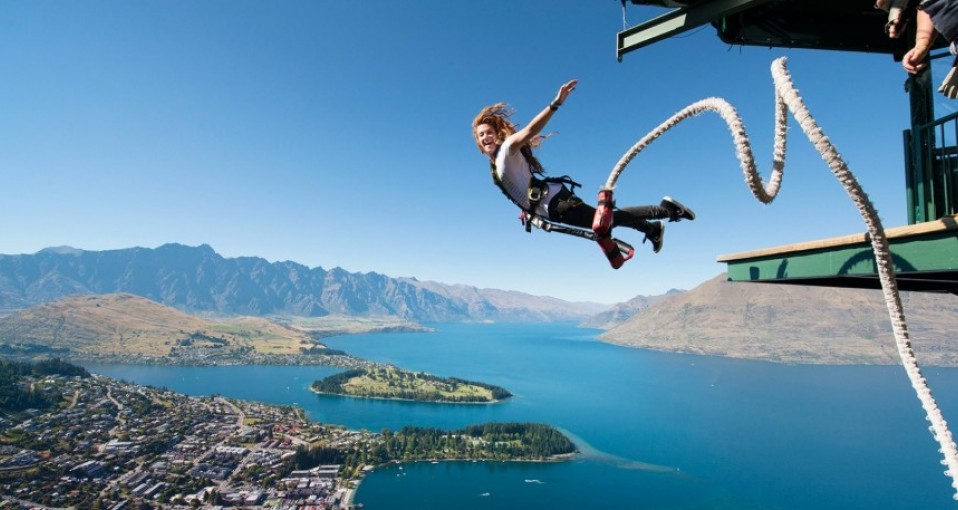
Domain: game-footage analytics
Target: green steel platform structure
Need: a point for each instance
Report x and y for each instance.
(925, 252)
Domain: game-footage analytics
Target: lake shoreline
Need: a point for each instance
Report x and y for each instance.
(396, 399)
(722, 424)
(350, 496)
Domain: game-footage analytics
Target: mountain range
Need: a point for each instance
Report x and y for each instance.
(199, 280)
(781, 323)
(621, 312)
(792, 324)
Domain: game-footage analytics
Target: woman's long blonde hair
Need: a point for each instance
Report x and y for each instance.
(497, 116)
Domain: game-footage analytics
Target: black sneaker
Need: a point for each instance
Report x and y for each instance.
(676, 210)
(656, 235)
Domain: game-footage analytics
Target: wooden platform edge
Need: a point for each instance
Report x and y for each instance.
(940, 225)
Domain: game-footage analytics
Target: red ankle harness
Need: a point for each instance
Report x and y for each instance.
(616, 251)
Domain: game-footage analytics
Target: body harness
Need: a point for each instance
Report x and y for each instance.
(615, 250)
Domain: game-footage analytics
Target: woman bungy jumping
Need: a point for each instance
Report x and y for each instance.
(520, 176)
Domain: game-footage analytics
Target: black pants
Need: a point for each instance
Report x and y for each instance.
(565, 207)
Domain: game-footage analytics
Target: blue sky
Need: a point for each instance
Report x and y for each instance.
(337, 133)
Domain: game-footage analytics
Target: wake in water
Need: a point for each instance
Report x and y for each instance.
(592, 453)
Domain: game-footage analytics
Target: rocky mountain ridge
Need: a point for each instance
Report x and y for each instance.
(199, 280)
(792, 324)
(621, 312)
(781, 323)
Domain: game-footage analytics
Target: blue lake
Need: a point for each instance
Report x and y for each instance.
(657, 430)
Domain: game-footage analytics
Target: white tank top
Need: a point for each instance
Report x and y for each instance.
(514, 172)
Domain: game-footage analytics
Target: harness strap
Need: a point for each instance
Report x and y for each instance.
(616, 250)
(565, 179)
(538, 190)
(602, 221)
(530, 212)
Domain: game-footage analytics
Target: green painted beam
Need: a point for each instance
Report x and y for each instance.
(678, 21)
(927, 261)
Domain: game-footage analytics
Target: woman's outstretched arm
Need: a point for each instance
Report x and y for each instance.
(527, 133)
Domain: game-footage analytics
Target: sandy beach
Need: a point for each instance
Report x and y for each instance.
(348, 496)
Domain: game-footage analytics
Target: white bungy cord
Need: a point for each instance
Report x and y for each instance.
(786, 97)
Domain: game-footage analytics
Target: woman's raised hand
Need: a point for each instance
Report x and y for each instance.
(564, 91)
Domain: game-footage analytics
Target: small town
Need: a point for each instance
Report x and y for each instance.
(72, 439)
(118, 445)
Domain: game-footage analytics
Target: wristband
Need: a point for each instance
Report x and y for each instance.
(554, 105)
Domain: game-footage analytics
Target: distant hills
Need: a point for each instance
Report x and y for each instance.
(147, 301)
(792, 324)
(621, 312)
(118, 325)
(198, 280)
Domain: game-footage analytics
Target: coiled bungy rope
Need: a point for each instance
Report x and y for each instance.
(786, 97)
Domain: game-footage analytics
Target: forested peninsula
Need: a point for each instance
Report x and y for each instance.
(15, 397)
(489, 441)
(393, 383)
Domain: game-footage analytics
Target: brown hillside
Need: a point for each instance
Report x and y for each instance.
(793, 324)
(123, 324)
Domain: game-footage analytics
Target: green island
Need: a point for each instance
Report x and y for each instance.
(389, 382)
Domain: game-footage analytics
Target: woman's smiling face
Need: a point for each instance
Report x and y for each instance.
(487, 138)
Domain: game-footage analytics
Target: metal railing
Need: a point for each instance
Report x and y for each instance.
(931, 169)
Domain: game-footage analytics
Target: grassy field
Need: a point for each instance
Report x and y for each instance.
(391, 382)
(336, 325)
(121, 326)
